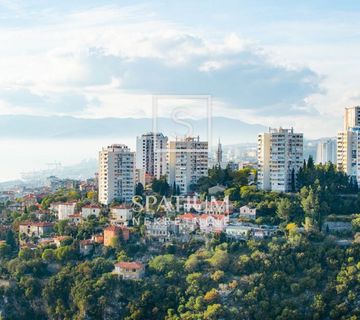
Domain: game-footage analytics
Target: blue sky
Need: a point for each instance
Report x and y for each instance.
(289, 63)
(272, 62)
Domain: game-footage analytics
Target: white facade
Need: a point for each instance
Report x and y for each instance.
(326, 152)
(116, 174)
(89, 210)
(121, 214)
(264, 161)
(280, 156)
(238, 231)
(348, 152)
(348, 144)
(188, 161)
(151, 156)
(351, 117)
(37, 229)
(64, 210)
(162, 229)
(247, 230)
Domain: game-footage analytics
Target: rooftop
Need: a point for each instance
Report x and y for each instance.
(215, 216)
(187, 216)
(129, 265)
(36, 224)
(92, 206)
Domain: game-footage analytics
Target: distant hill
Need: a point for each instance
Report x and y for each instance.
(10, 184)
(57, 127)
(79, 171)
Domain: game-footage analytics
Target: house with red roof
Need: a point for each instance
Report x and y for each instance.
(98, 238)
(213, 222)
(188, 222)
(30, 200)
(129, 270)
(36, 229)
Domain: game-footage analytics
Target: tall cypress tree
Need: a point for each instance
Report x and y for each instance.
(310, 163)
(174, 189)
(293, 180)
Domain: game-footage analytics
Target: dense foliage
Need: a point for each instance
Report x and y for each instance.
(297, 277)
(301, 274)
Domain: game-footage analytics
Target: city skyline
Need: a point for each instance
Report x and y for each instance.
(93, 146)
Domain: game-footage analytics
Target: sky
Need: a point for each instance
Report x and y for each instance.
(270, 62)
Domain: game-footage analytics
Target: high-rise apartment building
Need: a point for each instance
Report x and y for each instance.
(116, 174)
(351, 117)
(326, 151)
(348, 144)
(188, 161)
(263, 174)
(280, 156)
(151, 155)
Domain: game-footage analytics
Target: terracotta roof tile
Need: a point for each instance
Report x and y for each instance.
(129, 265)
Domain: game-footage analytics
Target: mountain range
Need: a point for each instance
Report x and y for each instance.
(65, 127)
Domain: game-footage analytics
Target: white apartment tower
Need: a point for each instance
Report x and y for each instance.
(188, 161)
(326, 151)
(116, 174)
(351, 117)
(263, 174)
(280, 156)
(151, 155)
(348, 144)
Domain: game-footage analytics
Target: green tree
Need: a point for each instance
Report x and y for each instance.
(220, 259)
(284, 209)
(10, 239)
(48, 255)
(310, 203)
(213, 311)
(65, 253)
(139, 189)
(356, 223)
(165, 263)
(161, 186)
(293, 180)
(5, 251)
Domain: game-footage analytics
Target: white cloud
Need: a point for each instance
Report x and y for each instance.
(107, 61)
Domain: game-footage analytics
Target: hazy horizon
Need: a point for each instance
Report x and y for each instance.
(100, 59)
